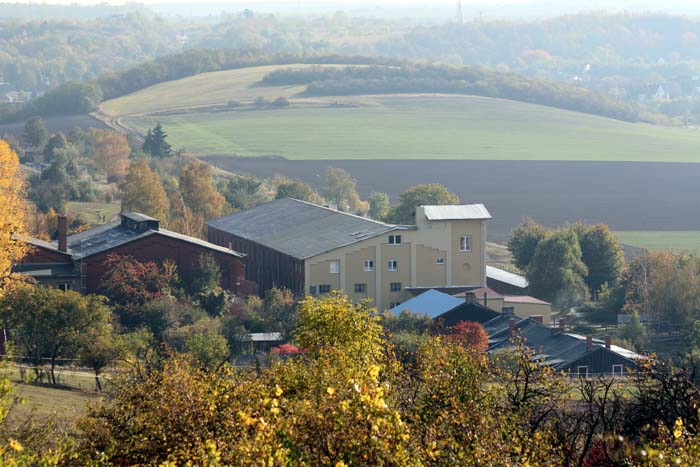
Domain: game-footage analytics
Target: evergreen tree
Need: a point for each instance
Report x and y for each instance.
(155, 143)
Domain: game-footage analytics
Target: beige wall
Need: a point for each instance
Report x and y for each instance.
(416, 256)
(524, 310)
(428, 271)
(495, 304)
(321, 272)
(356, 274)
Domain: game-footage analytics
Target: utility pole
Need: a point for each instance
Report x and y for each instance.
(460, 18)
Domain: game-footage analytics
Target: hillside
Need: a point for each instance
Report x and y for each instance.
(195, 114)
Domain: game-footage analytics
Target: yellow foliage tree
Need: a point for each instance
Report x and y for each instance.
(198, 190)
(111, 151)
(142, 191)
(12, 221)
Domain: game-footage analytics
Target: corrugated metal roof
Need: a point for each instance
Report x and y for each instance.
(524, 299)
(431, 304)
(300, 229)
(112, 235)
(506, 277)
(457, 212)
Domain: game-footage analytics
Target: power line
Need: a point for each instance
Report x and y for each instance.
(460, 18)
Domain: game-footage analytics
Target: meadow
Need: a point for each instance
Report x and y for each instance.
(421, 126)
(677, 241)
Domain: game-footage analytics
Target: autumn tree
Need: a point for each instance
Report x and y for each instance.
(35, 133)
(431, 194)
(199, 192)
(12, 248)
(294, 189)
(142, 191)
(523, 241)
(379, 205)
(110, 151)
(341, 190)
(471, 336)
(556, 271)
(44, 322)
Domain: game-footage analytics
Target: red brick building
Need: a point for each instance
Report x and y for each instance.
(78, 262)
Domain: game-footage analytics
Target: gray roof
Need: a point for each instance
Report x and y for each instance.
(42, 244)
(112, 235)
(506, 277)
(300, 229)
(555, 348)
(138, 217)
(457, 212)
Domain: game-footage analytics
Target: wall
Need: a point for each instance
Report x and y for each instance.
(266, 267)
(159, 248)
(356, 274)
(524, 310)
(402, 254)
(321, 274)
(600, 361)
(468, 267)
(428, 271)
(37, 255)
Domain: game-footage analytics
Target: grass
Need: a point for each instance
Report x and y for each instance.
(89, 212)
(423, 127)
(653, 240)
(499, 256)
(386, 127)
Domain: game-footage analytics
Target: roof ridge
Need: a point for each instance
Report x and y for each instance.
(337, 211)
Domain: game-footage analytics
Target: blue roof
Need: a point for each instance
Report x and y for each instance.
(431, 304)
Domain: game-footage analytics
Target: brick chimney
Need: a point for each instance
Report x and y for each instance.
(62, 233)
(589, 342)
(469, 297)
(608, 342)
(511, 328)
(538, 318)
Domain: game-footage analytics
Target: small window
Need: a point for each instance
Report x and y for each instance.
(440, 261)
(360, 288)
(325, 288)
(465, 243)
(335, 267)
(392, 265)
(394, 304)
(312, 290)
(63, 286)
(582, 371)
(617, 370)
(369, 266)
(394, 239)
(395, 287)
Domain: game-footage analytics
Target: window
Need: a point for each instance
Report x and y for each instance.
(617, 370)
(369, 266)
(63, 286)
(325, 288)
(440, 261)
(465, 243)
(360, 288)
(335, 267)
(394, 239)
(582, 371)
(312, 290)
(392, 265)
(395, 287)
(394, 304)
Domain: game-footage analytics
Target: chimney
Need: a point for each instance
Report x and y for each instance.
(562, 324)
(62, 233)
(511, 328)
(538, 318)
(589, 342)
(608, 342)
(469, 297)
(486, 299)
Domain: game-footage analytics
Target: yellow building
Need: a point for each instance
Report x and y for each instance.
(314, 249)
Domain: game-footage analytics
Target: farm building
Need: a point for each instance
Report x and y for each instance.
(312, 249)
(479, 305)
(505, 282)
(78, 262)
(571, 353)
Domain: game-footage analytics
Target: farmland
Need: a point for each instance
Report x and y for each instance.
(194, 113)
(677, 241)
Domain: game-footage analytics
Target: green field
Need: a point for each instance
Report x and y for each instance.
(385, 127)
(89, 212)
(675, 241)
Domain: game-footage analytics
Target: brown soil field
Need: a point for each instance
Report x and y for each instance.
(626, 196)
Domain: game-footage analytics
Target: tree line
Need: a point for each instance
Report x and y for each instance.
(470, 80)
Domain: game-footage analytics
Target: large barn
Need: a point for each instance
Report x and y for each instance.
(78, 262)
